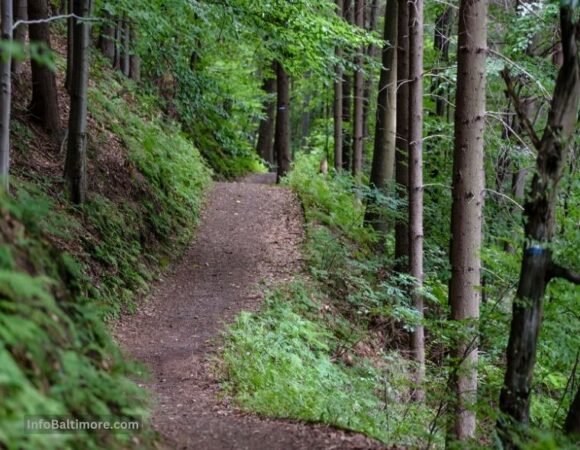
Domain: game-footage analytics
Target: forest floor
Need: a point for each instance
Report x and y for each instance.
(248, 240)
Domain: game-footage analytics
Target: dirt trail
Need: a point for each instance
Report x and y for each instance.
(250, 231)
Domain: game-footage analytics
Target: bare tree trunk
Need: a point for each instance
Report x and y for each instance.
(347, 101)
(368, 83)
(75, 170)
(385, 132)
(441, 41)
(467, 211)
(265, 145)
(5, 94)
(402, 141)
(107, 38)
(337, 112)
(117, 42)
(20, 13)
(69, 48)
(44, 104)
(282, 134)
(126, 49)
(134, 60)
(572, 424)
(357, 139)
(416, 181)
(538, 268)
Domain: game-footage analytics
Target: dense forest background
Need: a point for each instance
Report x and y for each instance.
(434, 148)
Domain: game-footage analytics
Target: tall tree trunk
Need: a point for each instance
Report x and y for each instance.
(44, 104)
(117, 41)
(348, 14)
(282, 134)
(126, 48)
(134, 60)
(5, 94)
(402, 141)
(572, 424)
(538, 268)
(69, 48)
(337, 111)
(385, 132)
(467, 211)
(20, 13)
(441, 41)
(368, 83)
(416, 181)
(107, 38)
(75, 170)
(357, 129)
(265, 147)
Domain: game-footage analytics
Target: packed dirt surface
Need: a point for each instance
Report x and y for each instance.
(250, 234)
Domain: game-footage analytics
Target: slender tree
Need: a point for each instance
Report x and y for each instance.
(383, 164)
(402, 141)
(467, 211)
(75, 170)
(347, 85)
(441, 41)
(20, 13)
(538, 267)
(69, 47)
(106, 42)
(371, 53)
(5, 92)
(265, 146)
(416, 181)
(357, 133)
(44, 104)
(282, 133)
(337, 110)
(126, 48)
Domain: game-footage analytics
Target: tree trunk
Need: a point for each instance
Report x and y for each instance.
(107, 38)
(572, 424)
(282, 134)
(69, 48)
(540, 211)
(347, 100)
(441, 41)
(20, 13)
(402, 141)
(5, 94)
(371, 53)
(337, 111)
(134, 60)
(416, 181)
(75, 170)
(117, 42)
(467, 211)
(44, 104)
(126, 49)
(385, 132)
(357, 133)
(265, 145)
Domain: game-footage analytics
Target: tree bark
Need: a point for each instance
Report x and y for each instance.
(347, 101)
(117, 42)
(467, 211)
(5, 94)
(282, 133)
(337, 111)
(572, 424)
(106, 42)
(126, 49)
(69, 48)
(441, 41)
(540, 211)
(383, 164)
(402, 141)
(75, 171)
(44, 104)
(371, 53)
(357, 138)
(416, 181)
(134, 59)
(265, 147)
(20, 12)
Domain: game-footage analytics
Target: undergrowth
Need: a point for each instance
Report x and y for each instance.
(64, 270)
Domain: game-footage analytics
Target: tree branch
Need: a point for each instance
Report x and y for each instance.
(522, 116)
(557, 271)
(53, 19)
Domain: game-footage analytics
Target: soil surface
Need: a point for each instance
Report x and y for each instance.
(250, 234)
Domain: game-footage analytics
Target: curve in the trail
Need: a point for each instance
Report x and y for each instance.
(250, 232)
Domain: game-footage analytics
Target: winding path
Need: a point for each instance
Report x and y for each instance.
(250, 234)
